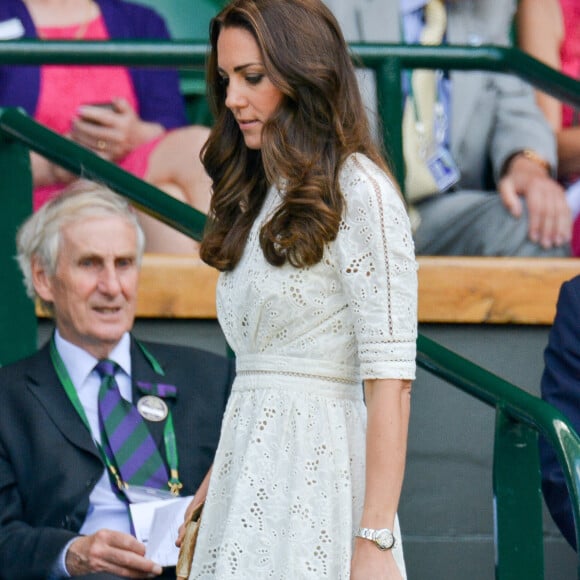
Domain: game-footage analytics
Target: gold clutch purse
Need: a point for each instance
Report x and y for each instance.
(187, 548)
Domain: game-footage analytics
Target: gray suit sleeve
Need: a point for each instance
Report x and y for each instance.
(519, 124)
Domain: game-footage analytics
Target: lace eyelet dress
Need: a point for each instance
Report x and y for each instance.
(287, 487)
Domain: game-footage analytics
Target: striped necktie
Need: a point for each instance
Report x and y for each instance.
(125, 436)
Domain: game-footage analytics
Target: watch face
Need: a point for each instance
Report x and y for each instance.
(384, 539)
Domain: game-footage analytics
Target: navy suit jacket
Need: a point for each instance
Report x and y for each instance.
(49, 464)
(561, 388)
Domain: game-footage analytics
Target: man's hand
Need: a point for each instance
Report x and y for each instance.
(112, 552)
(550, 219)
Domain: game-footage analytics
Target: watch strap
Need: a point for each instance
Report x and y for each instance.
(373, 536)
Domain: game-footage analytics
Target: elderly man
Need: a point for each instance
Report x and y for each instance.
(96, 417)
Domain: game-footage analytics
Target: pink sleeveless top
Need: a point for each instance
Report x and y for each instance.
(570, 59)
(64, 88)
(570, 53)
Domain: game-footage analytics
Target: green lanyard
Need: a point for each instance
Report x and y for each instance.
(168, 432)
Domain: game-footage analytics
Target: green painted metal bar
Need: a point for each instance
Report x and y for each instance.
(389, 90)
(175, 53)
(185, 54)
(516, 404)
(486, 57)
(17, 318)
(85, 163)
(518, 501)
(385, 59)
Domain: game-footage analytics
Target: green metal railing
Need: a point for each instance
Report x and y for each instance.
(520, 417)
(387, 60)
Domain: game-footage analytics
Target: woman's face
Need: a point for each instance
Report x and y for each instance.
(250, 95)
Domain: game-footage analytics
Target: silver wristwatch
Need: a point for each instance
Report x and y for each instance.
(383, 538)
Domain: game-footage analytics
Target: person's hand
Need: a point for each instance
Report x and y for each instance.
(370, 563)
(197, 500)
(550, 219)
(112, 552)
(112, 129)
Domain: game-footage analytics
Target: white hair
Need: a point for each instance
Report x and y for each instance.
(40, 236)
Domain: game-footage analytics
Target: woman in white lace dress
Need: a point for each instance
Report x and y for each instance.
(317, 294)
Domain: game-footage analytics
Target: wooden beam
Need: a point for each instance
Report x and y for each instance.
(491, 290)
(452, 290)
(176, 287)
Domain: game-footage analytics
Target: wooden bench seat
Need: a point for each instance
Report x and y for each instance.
(491, 290)
(460, 290)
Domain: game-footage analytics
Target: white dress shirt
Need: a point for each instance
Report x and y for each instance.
(106, 510)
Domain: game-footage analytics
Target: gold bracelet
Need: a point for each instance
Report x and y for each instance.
(535, 158)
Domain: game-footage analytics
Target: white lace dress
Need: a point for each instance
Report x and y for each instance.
(287, 486)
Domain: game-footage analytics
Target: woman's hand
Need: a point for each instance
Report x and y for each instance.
(112, 130)
(197, 500)
(370, 563)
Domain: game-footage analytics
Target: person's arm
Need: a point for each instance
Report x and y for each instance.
(41, 547)
(158, 89)
(197, 500)
(46, 173)
(21, 542)
(520, 126)
(112, 552)
(113, 132)
(388, 407)
(560, 387)
(549, 216)
(545, 15)
(376, 259)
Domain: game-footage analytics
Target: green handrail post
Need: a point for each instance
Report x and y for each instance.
(518, 501)
(513, 406)
(389, 91)
(17, 316)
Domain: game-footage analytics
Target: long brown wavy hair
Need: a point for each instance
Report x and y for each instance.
(321, 120)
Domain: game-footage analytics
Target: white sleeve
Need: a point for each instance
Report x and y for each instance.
(376, 260)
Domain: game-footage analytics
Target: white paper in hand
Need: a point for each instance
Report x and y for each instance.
(164, 521)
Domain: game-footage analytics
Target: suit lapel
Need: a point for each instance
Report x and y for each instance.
(43, 383)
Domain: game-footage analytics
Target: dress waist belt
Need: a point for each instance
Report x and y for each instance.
(293, 373)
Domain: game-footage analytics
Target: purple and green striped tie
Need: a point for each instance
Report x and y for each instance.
(125, 436)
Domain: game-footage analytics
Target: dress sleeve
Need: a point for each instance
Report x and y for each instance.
(376, 261)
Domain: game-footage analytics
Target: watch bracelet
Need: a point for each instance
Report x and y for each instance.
(370, 534)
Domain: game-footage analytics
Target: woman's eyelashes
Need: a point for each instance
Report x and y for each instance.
(251, 79)
(254, 79)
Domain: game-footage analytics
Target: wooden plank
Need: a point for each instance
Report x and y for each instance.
(491, 290)
(176, 287)
(452, 290)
